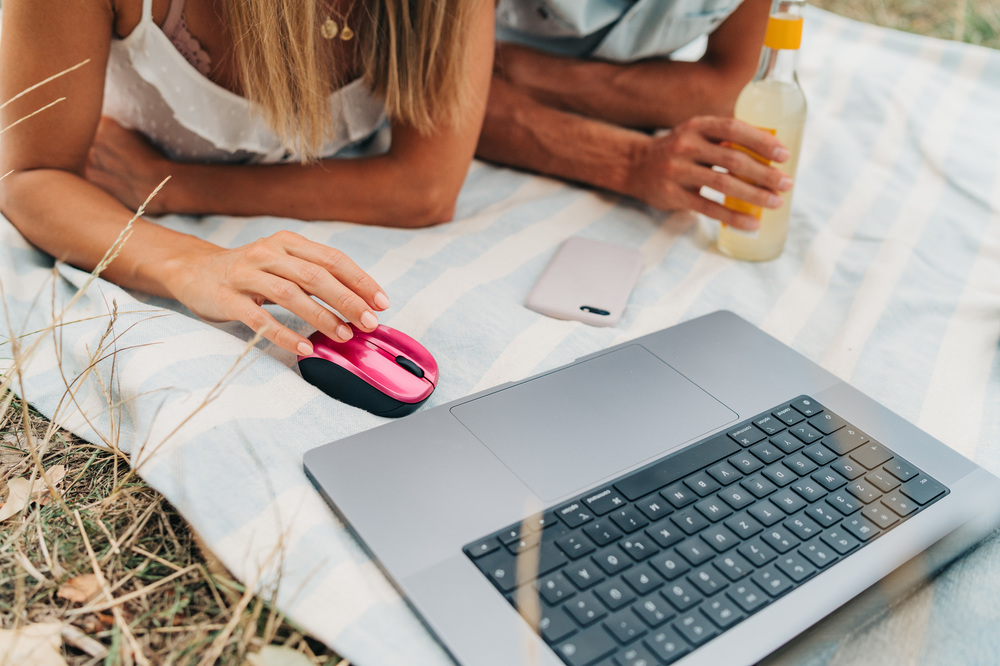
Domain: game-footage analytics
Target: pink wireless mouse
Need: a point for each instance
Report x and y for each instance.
(385, 372)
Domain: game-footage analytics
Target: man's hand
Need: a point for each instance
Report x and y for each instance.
(669, 170)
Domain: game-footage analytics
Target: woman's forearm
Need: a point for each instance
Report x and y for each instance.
(78, 223)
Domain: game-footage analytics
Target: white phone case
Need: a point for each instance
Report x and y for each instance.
(588, 281)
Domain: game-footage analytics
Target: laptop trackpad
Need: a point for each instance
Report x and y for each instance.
(571, 428)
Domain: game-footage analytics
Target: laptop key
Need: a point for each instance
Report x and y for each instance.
(845, 440)
(667, 645)
(827, 422)
(602, 532)
(747, 596)
(772, 580)
(654, 611)
(819, 553)
(555, 625)
(787, 442)
(614, 594)
(829, 479)
(612, 560)
(796, 567)
(637, 655)
(702, 483)
(665, 533)
(901, 469)
(682, 594)
(696, 627)
(670, 564)
(757, 552)
(482, 547)
(629, 519)
(899, 503)
(604, 501)
(679, 495)
(780, 474)
(788, 415)
(807, 406)
(882, 480)
(724, 473)
(587, 647)
(575, 514)
(871, 455)
(864, 491)
(747, 435)
(625, 626)
(840, 541)
(880, 515)
(555, 588)
(848, 468)
(769, 424)
(733, 565)
(677, 466)
(642, 579)
(584, 574)
(744, 525)
(708, 580)
(860, 528)
(922, 489)
(585, 609)
(575, 545)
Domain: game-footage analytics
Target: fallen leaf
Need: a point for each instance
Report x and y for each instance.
(36, 644)
(277, 655)
(80, 589)
(18, 494)
(21, 491)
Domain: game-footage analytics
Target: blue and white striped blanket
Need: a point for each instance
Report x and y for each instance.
(891, 280)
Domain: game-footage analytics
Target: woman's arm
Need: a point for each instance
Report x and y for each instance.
(414, 184)
(648, 94)
(57, 209)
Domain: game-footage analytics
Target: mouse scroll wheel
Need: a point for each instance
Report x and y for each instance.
(410, 366)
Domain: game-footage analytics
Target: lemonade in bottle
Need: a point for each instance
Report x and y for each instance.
(772, 101)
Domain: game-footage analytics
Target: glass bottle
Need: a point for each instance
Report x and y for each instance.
(773, 101)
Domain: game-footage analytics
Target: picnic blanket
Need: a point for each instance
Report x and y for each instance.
(890, 280)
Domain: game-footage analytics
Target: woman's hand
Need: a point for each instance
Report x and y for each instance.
(124, 164)
(669, 172)
(288, 270)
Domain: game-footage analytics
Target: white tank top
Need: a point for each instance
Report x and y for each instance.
(152, 88)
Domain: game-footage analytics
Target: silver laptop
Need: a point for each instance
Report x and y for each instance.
(699, 495)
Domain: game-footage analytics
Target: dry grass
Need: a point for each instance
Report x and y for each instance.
(972, 21)
(105, 564)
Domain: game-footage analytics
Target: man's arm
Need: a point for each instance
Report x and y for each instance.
(666, 172)
(650, 93)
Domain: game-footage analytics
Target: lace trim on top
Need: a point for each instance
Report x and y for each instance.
(175, 28)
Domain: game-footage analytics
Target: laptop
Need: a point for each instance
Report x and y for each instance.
(699, 495)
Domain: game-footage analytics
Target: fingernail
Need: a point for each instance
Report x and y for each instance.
(368, 320)
(785, 184)
(344, 332)
(751, 223)
(305, 349)
(774, 201)
(381, 301)
(780, 154)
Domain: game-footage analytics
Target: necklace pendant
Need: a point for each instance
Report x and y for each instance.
(347, 34)
(329, 29)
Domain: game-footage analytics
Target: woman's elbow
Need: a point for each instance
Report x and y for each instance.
(423, 205)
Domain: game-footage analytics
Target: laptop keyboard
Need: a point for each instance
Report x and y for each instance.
(651, 566)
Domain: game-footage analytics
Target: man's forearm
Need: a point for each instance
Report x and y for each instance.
(522, 132)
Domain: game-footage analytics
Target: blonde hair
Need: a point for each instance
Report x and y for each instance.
(411, 54)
